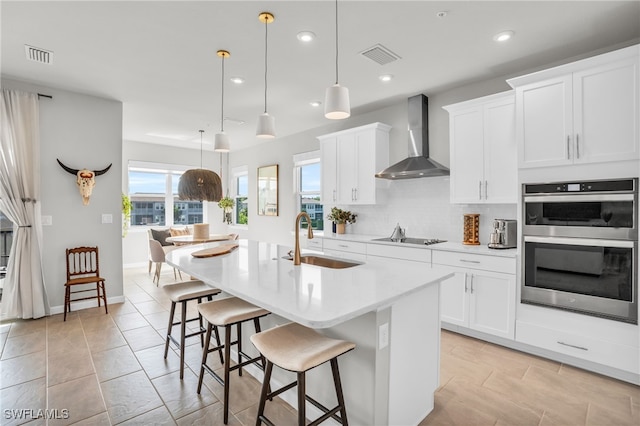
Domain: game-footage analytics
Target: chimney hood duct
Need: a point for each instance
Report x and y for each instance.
(418, 164)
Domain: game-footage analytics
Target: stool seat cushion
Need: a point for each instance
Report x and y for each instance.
(298, 348)
(229, 311)
(189, 290)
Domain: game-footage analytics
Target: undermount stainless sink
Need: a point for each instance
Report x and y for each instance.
(327, 262)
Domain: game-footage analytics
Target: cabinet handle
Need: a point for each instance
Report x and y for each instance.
(568, 143)
(469, 261)
(355, 191)
(479, 190)
(471, 283)
(466, 287)
(352, 194)
(343, 245)
(486, 187)
(334, 195)
(573, 346)
(577, 146)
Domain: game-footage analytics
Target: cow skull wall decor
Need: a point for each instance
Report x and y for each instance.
(85, 179)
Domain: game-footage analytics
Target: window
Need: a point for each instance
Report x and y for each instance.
(307, 181)
(241, 194)
(6, 238)
(153, 189)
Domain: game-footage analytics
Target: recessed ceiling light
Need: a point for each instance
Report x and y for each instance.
(237, 80)
(441, 14)
(386, 77)
(306, 36)
(315, 104)
(503, 36)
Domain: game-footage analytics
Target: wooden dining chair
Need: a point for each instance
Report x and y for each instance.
(82, 269)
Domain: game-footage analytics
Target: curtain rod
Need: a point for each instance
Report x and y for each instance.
(40, 95)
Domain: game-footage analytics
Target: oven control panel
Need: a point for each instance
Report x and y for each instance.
(623, 185)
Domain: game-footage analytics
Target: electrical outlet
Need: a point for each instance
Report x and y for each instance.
(383, 336)
(107, 218)
(47, 220)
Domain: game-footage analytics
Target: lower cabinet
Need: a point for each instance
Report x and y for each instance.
(343, 248)
(478, 299)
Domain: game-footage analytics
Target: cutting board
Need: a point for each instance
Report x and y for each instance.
(215, 251)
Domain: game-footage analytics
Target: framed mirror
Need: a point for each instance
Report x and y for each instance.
(268, 190)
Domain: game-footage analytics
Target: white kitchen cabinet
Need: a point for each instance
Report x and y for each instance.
(580, 113)
(340, 248)
(349, 161)
(481, 295)
(483, 150)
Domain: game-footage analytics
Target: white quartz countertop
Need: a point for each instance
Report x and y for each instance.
(313, 296)
(446, 246)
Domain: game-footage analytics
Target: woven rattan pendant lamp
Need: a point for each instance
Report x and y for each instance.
(336, 100)
(200, 184)
(266, 123)
(221, 142)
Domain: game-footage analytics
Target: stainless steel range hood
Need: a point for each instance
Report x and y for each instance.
(418, 164)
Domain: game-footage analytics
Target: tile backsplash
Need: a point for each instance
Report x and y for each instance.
(422, 207)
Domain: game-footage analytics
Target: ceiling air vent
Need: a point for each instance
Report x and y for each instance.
(380, 54)
(37, 54)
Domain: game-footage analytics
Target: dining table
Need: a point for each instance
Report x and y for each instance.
(180, 240)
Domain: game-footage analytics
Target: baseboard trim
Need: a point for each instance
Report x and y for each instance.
(85, 304)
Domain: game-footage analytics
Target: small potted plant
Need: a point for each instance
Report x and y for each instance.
(226, 204)
(126, 214)
(341, 218)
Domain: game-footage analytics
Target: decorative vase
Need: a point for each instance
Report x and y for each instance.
(340, 227)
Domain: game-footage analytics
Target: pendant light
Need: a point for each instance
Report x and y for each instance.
(266, 123)
(336, 100)
(200, 184)
(221, 141)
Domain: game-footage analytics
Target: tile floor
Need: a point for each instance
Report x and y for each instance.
(97, 369)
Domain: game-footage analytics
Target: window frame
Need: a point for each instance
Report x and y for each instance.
(299, 161)
(236, 173)
(170, 171)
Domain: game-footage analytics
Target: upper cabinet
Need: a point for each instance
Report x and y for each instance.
(349, 161)
(583, 112)
(483, 150)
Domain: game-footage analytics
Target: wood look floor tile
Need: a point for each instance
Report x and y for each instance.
(157, 417)
(211, 415)
(452, 366)
(456, 413)
(101, 419)
(129, 396)
(509, 365)
(599, 381)
(24, 344)
(25, 396)
(520, 357)
(180, 396)
(22, 369)
(81, 397)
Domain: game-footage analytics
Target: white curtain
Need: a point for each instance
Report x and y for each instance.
(24, 293)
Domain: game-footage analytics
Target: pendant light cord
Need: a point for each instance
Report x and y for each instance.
(266, 24)
(336, 41)
(201, 132)
(222, 91)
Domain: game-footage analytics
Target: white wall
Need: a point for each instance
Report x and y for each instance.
(83, 132)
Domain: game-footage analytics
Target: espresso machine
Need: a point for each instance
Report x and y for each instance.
(504, 234)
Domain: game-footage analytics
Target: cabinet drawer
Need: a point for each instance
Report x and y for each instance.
(341, 245)
(614, 355)
(395, 252)
(315, 243)
(505, 265)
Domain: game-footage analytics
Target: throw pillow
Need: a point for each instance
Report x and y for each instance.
(179, 231)
(161, 236)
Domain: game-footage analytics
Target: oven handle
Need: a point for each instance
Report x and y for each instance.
(577, 198)
(581, 241)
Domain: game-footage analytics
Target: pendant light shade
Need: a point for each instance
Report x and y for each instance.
(200, 184)
(221, 141)
(336, 100)
(266, 128)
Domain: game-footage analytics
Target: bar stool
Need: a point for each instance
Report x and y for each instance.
(183, 293)
(227, 313)
(297, 348)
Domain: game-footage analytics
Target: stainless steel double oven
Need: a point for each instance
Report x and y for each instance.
(580, 247)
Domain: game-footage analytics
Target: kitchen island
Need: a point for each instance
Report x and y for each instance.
(388, 308)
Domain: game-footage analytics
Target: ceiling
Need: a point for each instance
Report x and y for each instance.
(159, 57)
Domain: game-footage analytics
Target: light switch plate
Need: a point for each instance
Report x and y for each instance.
(47, 220)
(383, 336)
(107, 218)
